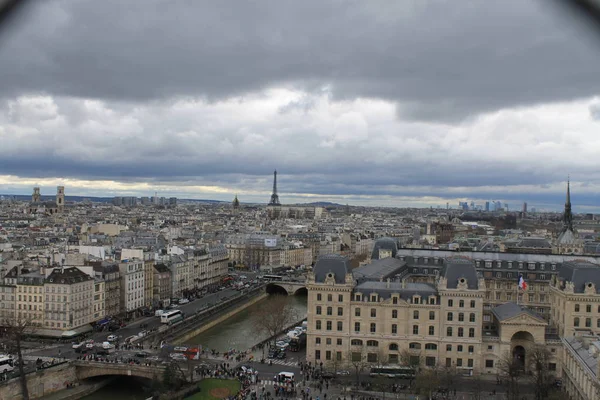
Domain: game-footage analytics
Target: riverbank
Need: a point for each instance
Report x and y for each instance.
(79, 391)
(217, 319)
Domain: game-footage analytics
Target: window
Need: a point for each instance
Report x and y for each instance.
(448, 347)
(329, 297)
(415, 314)
(373, 313)
(340, 311)
(448, 362)
(461, 317)
(414, 346)
(356, 342)
(415, 329)
(588, 308)
(489, 363)
(339, 326)
(394, 300)
(471, 332)
(552, 366)
(340, 298)
(394, 313)
(461, 332)
(394, 329)
(430, 361)
(576, 307)
(431, 330)
(328, 341)
(329, 325)
(471, 349)
(459, 362)
(357, 327)
(472, 317)
(339, 342)
(356, 356)
(450, 316)
(329, 310)
(431, 346)
(318, 324)
(449, 331)
(319, 297)
(598, 323)
(318, 310)
(357, 297)
(461, 303)
(372, 343)
(588, 322)
(470, 363)
(373, 328)
(576, 322)
(317, 354)
(357, 312)
(472, 303)
(372, 357)
(393, 347)
(459, 348)
(450, 303)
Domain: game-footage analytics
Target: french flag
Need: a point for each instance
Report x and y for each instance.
(522, 283)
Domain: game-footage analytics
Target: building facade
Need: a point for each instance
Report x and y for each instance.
(69, 301)
(132, 284)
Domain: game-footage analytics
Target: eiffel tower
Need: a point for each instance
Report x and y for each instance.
(274, 197)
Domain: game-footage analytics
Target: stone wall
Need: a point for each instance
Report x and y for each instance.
(40, 383)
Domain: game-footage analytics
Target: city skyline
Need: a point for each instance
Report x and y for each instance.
(352, 103)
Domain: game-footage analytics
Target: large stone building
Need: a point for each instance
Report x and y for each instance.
(380, 311)
(132, 284)
(69, 302)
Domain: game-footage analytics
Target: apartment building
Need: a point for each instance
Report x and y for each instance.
(148, 280)
(7, 302)
(218, 264)
(132, 285)
(161, 291)
(69, 301)
(99, 301)
(581, 369)
(29, 295)
(109, 273)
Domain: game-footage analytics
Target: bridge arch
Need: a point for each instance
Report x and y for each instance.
(287, 288)
(92, 369)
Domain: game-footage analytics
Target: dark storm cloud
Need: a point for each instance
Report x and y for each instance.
(439, 60)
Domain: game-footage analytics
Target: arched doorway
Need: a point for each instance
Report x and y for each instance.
(519, 356)
(520, 342)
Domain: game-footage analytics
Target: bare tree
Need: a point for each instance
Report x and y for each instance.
(448, 377)
(539, 360)
(428, 381)
(358, 362)
(275, 315)
(17, 329)
(511, 370)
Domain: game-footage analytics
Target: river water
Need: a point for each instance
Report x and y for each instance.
(237, 332)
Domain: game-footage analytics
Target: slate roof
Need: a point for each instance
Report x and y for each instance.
(331, 263)
(580, 273)
(384, 243)
(510, 310)
(534, 242)
(385, 290)
(458, 268)
(379, 269)
(567, 237)
(586, 355)
(67, 276)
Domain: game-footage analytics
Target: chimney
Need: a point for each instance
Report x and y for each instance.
(388, 283)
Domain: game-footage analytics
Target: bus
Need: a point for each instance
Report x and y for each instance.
(171, 317)
(6, 363)
(272, 277)
(394, 371)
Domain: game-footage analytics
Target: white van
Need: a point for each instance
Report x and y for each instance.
(158, 313)
(284, 376)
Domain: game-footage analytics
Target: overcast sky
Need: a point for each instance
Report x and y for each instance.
(394, 103)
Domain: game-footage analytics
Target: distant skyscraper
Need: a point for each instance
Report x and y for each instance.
(487, 206)
(525, 207)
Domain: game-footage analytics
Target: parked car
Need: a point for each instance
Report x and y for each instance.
(184, 301)
(177, 357)
(141, 354)
(112, 338)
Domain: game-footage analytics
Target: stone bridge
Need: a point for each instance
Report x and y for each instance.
(90, 369)
(286, 287)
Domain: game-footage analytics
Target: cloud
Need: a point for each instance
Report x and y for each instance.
(379, 101)
(437, 60)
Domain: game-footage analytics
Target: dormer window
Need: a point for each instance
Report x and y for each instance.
(520, 265)
(509, 264)
(373, 298)
(425, 260)
(416, 299)
(531, 266)
(488, 264)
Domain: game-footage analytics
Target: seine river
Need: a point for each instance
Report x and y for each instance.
(237, 332)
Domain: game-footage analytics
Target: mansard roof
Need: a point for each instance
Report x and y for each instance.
(384, 243)
(510, 310)
(338, 265)
(379, 269)
(385, 290)
(457, 268)
(580, 273)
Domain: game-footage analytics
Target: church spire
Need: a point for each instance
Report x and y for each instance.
(568, 215)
